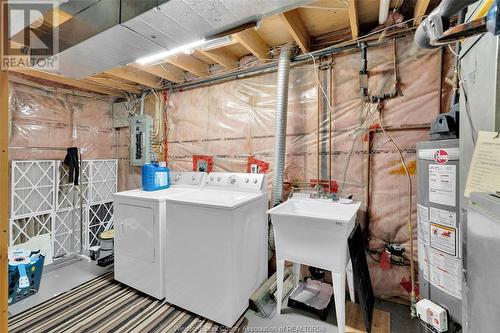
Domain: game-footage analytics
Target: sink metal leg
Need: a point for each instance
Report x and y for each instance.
(339, 293)
(296, 273)
(280, 268)
(350, 282)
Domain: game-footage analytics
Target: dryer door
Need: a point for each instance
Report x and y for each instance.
(137, 232)
(138, 253)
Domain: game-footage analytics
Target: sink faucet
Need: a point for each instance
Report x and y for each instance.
(319, 192)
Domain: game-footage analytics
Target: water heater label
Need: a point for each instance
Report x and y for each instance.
(443, 217)
(441, 156)
(443, 238)
(442, 184)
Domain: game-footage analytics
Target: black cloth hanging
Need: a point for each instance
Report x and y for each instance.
(71, 160)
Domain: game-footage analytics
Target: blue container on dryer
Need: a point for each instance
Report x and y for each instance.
(155, 177)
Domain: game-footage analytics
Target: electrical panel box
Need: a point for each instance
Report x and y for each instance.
(141, 150)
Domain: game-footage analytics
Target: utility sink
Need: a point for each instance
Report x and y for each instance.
(314, 231)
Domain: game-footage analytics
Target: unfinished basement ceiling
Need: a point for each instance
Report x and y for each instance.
(113, 33)
(105, 61)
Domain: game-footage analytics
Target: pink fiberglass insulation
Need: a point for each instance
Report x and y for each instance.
(47, 119)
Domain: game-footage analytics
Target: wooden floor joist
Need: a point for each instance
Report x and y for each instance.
(223, 57)
(419, 12)
(251, 40)
(297, 29)
(4, 181)
(109, 82)
(189, 63)
(135, 75)
(165, 71)
(4, 197)
(353, 18)
(70, 82)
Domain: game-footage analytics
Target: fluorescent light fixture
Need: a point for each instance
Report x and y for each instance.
(217, 42)
(158, 56)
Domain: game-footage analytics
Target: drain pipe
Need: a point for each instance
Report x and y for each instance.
(280, 127)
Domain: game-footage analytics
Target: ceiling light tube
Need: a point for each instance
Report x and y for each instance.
(217, 42)
(159, 56)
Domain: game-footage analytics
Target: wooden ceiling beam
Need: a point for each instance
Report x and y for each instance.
(222, 57)
(297, 29)
(353, 18)
(251, 40)
(419, 11)
(69, 82)
(105, 81)
(165, 71)
(189, 63)
(135, 75)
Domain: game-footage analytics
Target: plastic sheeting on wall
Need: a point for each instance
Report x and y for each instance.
(44, 119)
(234, 120)
(52, 122)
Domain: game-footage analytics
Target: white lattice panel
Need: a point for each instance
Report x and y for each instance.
(66, 231)
(100, 219)
(103, 180)
(32, 188)
(68, 195)
(25, 228)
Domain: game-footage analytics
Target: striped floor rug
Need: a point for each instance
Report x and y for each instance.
(104, 305)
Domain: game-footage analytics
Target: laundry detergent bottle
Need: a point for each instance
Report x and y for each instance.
(155, 177)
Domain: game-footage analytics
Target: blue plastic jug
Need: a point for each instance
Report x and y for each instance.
(155, 177)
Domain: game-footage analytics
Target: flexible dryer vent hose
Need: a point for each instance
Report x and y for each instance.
(280, 125)
(280, 132)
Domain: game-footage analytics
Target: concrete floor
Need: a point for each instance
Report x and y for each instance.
(65, 277)
(58, 279)
(295, 320)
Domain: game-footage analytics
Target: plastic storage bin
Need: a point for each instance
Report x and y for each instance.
(155, 177)
(34, 272)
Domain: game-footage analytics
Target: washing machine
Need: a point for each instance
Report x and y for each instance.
(217, 246)
(140, 225)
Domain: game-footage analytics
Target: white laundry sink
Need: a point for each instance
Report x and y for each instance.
(314, 231)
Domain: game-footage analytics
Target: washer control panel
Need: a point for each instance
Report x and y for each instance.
(241, 181)
(186, 177)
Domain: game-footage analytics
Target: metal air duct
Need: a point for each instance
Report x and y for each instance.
(105, 34)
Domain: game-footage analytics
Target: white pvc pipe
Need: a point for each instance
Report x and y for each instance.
(383, 11)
